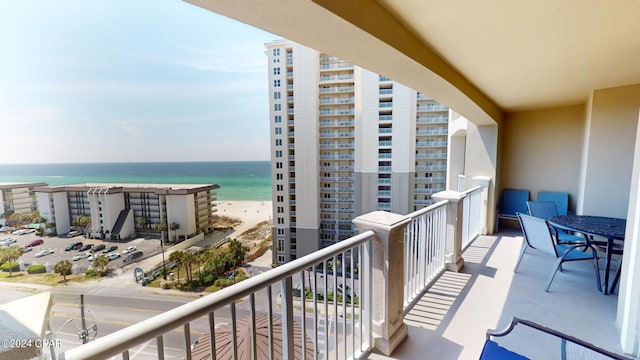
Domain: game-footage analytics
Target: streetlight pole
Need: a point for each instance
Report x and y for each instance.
(164, 268)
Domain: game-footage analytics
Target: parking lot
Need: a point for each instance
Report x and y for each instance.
(58, 245)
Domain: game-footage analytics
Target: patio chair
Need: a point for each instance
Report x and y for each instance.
(546, 210)
(537, 235)
(513, 201)
(560, 198)
(569, 347)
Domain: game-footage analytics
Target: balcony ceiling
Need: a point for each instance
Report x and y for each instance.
(483, 58)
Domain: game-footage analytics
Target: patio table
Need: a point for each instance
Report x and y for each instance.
(606, 227)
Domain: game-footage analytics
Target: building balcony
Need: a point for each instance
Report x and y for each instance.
(337, 89)
(337, 101)
(337, 123)
(432, 107)
(432, 120)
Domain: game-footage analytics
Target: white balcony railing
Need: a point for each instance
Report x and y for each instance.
(346, 327)
(471, 218)
(347, 334)
(424, 253)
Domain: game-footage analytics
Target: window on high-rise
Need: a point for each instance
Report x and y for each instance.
(276, 95)
(277, 107)
(278, 118)
(278, 130)
(276, 83)
(276, 52)
(276, 71)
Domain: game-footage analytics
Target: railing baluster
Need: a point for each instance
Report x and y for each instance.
(316, 350)
(270, 320)
(344, 303)
(353, 300)
(326, 309)
(234, 331)
(187, 339)
(125, 355)
(212, 335)
(335, 306)
(252, 312)
(286, 294)
(160, 347)
(303, 319)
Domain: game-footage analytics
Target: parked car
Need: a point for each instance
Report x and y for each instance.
(340, 291)
(128, 250)
(27, 248)
(132, 257)
(18, 232)
(110, 249)
(85, 247)
(73, 234)
(93, 256)
(7, 228)
(98, 248)
(80, 256)
(73, 246)
(35, 242)
(113, 256)
(7, 241)
(44, 252)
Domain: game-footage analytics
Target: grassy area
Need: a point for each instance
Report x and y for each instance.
(50, 279)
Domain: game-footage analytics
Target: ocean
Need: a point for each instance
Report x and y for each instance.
(238, 180)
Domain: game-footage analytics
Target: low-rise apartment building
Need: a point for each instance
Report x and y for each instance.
(119, 211)
(17, 198)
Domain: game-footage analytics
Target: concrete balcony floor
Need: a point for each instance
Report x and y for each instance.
(451, 318)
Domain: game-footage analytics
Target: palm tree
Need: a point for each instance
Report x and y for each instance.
(174, 227)
(178, 258)
(162, 227)
(142, 222)
(10, 255)
(100, 262)
(63, 268)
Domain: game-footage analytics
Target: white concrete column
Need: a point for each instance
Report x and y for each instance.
(387, 277)
(454, 260)
(483, 181)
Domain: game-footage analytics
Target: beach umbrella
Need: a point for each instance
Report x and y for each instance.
(201, 350)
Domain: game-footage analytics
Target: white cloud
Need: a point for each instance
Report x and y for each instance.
(128, 128)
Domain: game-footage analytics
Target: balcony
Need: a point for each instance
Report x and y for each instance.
(446, 307)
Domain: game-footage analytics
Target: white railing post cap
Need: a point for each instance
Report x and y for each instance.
(380, 219)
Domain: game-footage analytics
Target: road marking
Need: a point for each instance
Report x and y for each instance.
(125, 323)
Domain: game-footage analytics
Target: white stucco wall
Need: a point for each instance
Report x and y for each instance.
(610, 137)
(542, 151)
(181, 210)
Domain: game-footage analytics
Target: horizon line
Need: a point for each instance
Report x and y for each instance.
(135, 162)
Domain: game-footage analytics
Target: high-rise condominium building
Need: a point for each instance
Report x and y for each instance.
(345, 141)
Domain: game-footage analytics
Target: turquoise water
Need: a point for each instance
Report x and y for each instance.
(238, 180)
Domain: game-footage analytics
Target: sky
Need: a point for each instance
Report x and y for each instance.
(129, 81)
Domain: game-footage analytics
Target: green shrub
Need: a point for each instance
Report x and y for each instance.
(91, 273)
(6, 267)
(223, 282)
(209, 279)
(37, 269)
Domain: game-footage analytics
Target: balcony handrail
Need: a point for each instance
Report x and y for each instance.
(122, 340)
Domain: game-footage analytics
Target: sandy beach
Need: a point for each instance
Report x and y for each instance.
(249, 212)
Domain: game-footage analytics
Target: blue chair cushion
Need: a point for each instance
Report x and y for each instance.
(574, 254)
(568, 238)
(492, 350)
